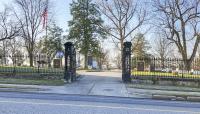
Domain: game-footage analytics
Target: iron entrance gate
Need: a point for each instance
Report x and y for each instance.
(70, 62)
(126, 62)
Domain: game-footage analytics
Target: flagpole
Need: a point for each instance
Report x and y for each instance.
(46, 22)
(46, 31)
(47, 17)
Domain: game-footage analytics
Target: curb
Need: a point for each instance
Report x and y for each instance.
(176, 98)
(101, 99)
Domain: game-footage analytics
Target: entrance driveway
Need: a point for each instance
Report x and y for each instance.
(100, 83)
(89, 83)
(94, 83)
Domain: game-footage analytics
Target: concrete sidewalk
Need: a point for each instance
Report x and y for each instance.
(103, 84)
(90, 83)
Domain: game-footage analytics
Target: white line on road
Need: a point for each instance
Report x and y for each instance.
(100, 106)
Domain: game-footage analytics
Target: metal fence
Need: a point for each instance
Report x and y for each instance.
(165, 69)
(18, 67)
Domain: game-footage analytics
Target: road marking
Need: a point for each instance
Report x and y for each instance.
(99, 106)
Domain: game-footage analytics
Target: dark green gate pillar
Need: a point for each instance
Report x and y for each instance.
(126, 62)
(70, 62)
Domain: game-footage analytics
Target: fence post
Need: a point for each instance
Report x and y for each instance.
(70, 62)
(126, 62)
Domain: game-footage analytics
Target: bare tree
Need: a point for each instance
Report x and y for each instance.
(4, 52)
(117, 61)
(9, 28)
(163, 48)
(14, 47)
(199, 51)
(121, 14)
(30, 17)
(104, 58)
(179, 20)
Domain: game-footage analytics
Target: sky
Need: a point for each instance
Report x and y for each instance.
(59, 8)
(61, 15)
(62, 12)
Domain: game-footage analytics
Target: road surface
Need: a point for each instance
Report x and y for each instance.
(34, 103)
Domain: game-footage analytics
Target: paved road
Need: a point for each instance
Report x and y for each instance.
(32, 103)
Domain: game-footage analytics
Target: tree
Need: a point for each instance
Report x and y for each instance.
(85, 27)
(1, 56)
(120, 14)
(179, 20)
(163, 48)
(5, 50)
(30, 18)
(140, 46)
(11, 48)
(117, 61)
(14, 50)
(102, 56)
(199, 51)
(53, 42)
(9, 28)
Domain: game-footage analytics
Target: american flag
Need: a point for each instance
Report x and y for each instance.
(44, 16)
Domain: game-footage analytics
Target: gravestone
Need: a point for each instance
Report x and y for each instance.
(140, 66)
(57, 63)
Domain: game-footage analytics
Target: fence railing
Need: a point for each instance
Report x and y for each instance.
(166, 69)
(18, 67)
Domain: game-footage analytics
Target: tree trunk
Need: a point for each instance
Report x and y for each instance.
(100, 62)
(100, 66)
(187, 64)
(31, 59)
(86, 61)
(49, 64)
(121, 66)
(49, 59)
(163, 62)
(4, 54)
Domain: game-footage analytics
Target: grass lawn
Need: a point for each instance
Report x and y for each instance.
(20, 69)
(146, 73)
(31, 82)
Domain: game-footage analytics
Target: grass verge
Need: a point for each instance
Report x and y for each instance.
(31, 82)
(164, 74)
(165, 88)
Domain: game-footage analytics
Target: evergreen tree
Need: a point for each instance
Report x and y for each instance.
(140, 46)
(86, 27)
(53, 42)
